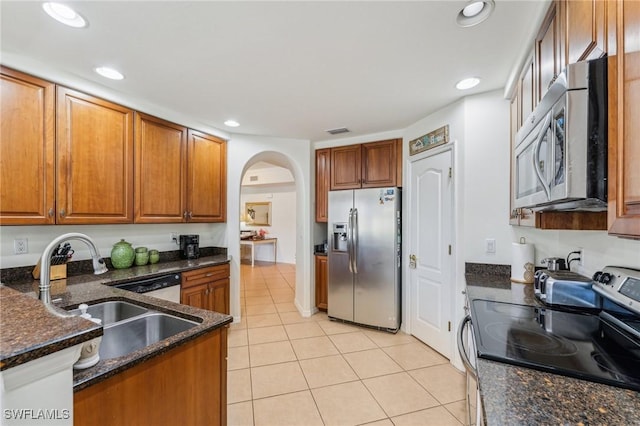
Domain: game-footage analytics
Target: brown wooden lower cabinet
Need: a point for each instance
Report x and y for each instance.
(206, 288)
(322, 290)
(185, 386)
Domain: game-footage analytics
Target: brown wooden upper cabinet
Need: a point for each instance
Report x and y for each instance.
(160, 170)
(180, 173)
(323, 183)
(370, 165)
(94, 160)
(586, 29)
(206, 178)
(624, 126)
(27, 149)
(548, 52)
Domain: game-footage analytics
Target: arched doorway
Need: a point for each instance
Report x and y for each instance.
(245, 151)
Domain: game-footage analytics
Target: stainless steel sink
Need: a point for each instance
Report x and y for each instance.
(113, 311)
(122, 338)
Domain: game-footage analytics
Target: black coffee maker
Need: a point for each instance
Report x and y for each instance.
(189, 246)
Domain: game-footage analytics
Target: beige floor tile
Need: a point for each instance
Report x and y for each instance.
(293, 317)
(282, 292)
(292, 409)
(255, 286)
(415, 355)
(444, 382)
(383, 338)
(237, 337)
(328, 370)
(459, 411)
(238, 358)
(259, 335)
(260, 300)
(264, 320)
(286, 307)
(371, 363)
(240, 414)
(261, 309)
(384, 422)
(238, 386)
(347, 404)
(277, 379)
(271, 353)
(277, 284)
(313, 347)
(437, 416)
(399, 394)
(303, 330)
(282, 298)
(336, 327)
(320, 316)
(352, 342)
(264, 292)
(242, 324)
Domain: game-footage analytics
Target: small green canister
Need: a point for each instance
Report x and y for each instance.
(122, 255)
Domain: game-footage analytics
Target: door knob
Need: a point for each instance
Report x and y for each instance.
(413, 261)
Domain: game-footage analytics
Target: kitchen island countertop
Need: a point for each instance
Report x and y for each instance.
(523, 396)
(52, 333)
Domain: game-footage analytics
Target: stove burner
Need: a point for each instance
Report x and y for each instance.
(522, 339)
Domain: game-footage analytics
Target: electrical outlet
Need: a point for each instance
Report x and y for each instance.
(20, 246)
(490, 245)
(174, 237)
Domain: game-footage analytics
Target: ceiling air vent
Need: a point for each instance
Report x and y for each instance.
(338, 130)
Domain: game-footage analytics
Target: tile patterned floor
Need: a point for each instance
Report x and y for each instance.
(286, 370)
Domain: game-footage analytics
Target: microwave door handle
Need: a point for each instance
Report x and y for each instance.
(536, 157)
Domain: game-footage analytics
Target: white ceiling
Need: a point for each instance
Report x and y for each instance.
(288, 69)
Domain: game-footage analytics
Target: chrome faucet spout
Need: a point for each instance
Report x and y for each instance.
(99, 266)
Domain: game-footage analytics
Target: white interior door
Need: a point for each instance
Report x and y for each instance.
(431, 224)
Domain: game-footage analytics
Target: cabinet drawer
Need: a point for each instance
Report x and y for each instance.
(204, 275)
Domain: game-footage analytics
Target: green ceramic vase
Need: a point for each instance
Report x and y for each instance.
(122, 255)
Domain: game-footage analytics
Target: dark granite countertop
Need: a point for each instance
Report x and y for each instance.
(523, 396)
(34, 341)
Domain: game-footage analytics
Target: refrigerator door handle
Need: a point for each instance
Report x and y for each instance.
(350, 240)
(354, 240)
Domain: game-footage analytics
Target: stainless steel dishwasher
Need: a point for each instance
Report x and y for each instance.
(165, 287)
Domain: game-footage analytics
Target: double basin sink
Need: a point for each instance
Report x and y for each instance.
(129, 327)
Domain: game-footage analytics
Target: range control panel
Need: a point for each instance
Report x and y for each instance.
(621, 285)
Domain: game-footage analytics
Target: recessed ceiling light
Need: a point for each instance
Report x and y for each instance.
(467, 83)
(475, 12)
(231, 123)
(64, 14)
(109, 73)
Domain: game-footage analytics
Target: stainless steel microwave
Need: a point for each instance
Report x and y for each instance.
(560, 154)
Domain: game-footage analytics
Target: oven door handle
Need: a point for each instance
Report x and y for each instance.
(462, 350)
(536, 156)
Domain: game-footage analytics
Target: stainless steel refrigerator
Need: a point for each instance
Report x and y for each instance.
(364, 257)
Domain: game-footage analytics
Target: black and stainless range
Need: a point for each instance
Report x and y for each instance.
(590, 343)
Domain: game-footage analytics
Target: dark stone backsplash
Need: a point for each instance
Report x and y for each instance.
(482, 269)
(23, 273)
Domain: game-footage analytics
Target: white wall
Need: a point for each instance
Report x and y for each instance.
(242, 152)
(105, 236)
(283, 220)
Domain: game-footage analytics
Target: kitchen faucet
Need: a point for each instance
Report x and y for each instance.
(45, 263)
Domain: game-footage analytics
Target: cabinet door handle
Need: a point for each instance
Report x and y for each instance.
(184, 214)
(210, 274)
(63, 213)
(190, 215)
(51, 212)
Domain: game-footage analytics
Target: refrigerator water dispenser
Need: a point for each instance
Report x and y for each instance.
(339, 237)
